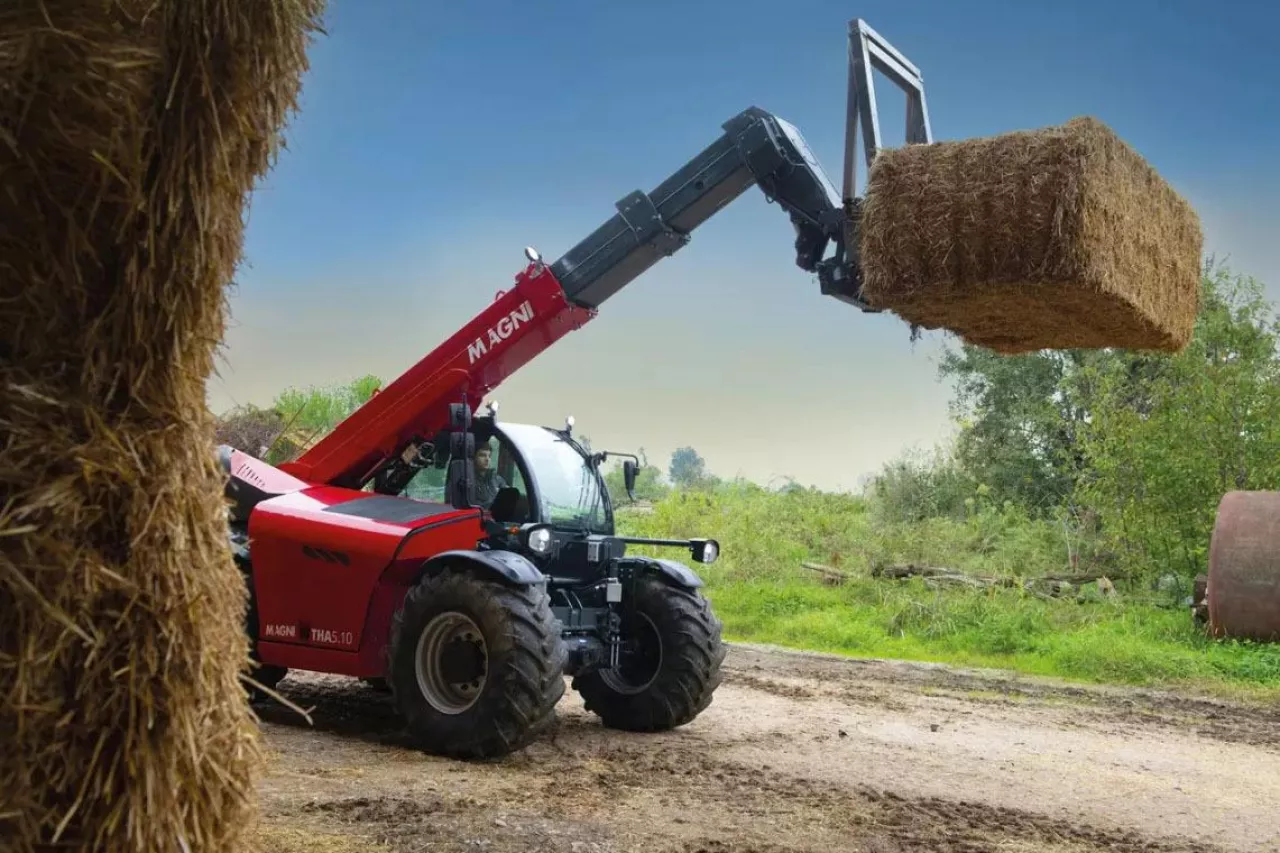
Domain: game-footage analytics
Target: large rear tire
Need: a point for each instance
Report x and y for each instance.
(672, 668)
(476, 667)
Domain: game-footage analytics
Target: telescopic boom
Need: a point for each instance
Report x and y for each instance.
(548, 301)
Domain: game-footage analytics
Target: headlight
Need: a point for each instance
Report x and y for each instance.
(537, 538)
(705, 550)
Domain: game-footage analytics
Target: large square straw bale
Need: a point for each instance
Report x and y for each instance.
(131, 133)
(1056, 238)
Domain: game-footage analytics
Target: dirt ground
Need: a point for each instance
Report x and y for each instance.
(797, 753)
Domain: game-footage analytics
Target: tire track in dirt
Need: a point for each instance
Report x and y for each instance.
(594, 797)
(864, 681)
(797, 754)
(912, 823)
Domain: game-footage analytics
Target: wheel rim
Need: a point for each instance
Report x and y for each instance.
(451, 662)
(639, 666)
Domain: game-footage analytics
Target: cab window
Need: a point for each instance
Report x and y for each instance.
(495, 468)
(428, 485)
(504, 462)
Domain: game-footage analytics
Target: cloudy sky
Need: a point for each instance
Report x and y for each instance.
(437, 140)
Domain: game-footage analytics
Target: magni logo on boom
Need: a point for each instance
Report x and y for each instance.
(500, 331)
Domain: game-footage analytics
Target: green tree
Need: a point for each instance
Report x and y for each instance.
(1017, 428)
(1022, 418)
(316, 410)
(1199, 423)
(687, 468)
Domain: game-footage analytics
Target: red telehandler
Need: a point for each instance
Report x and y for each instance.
(375, 555)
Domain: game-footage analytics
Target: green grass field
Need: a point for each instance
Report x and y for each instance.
(760, 589)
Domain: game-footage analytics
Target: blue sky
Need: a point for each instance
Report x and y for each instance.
(435, 141)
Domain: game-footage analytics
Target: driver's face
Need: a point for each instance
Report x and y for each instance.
(482, 460)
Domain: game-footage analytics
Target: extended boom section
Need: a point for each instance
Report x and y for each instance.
(756, 148)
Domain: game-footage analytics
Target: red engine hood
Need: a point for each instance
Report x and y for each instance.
(349, 508)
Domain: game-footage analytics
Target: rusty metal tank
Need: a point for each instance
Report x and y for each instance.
(1244, 567)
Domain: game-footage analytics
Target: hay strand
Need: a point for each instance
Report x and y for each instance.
(1057, 238)
(131, 133)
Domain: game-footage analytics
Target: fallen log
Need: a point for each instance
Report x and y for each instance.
(830, 576)
(1082, 579)
(910, 570)
(959, 580)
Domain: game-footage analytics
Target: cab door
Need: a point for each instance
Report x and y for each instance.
(509, 466)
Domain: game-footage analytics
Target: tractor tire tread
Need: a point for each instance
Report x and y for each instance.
(693, 652)
(526, 657)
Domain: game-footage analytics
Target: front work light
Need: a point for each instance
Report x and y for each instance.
(704, 550)
(537, 537)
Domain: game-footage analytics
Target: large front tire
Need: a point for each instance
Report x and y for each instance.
(475, 667)
(673, 669)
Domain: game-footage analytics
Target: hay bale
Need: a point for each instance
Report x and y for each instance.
(1056, 238)
(131, 133)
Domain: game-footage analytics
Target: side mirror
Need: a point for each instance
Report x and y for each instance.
(630, 470)
(462, 446)
(704, 550)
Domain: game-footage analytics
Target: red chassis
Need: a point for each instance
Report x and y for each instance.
(326, 581)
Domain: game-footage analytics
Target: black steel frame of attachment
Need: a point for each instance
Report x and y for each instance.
(868, 51)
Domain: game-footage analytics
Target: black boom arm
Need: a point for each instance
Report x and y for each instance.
(757, 148)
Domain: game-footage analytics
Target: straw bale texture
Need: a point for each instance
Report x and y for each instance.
(131, 132)
(1057, 238)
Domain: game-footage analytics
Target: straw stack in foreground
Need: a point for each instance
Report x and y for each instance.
(1057, 238)
(132, 133)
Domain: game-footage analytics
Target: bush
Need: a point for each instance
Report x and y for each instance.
(248, 429)
(917, 486)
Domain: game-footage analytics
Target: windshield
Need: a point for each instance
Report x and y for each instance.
(568, 489)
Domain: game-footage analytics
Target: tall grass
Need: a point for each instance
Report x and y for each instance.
(1138, 636)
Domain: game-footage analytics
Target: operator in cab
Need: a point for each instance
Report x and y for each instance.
(485, 482)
